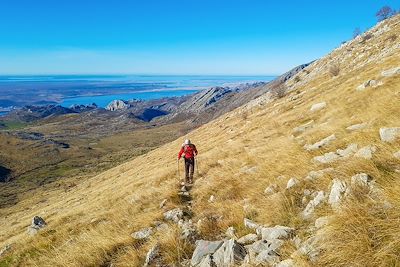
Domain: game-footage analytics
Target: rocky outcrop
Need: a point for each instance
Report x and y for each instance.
(118, 105)
(338, 189)
(143, 234)
(391, 72)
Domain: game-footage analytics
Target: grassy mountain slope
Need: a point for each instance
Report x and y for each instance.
(241, 154)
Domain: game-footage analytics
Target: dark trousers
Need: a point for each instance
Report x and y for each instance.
(189, 169)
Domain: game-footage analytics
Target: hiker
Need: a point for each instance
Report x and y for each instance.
(188, 152)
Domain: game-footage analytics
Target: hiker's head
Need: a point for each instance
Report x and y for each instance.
(187, 142)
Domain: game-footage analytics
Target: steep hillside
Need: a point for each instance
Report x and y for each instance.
(321, 161)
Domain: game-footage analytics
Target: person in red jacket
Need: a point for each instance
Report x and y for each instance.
(188, 152)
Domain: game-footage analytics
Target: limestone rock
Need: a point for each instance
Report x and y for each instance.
(267, 257)
(188, 230)
(310, 248)
(334, 156)
(174, 215)
(361, 179)
(318, 106)
(324, 142)
(337, 190)
(366, 152)
(314, 175)
(315, 202)
(276, 232)
(248, 239)
(211, 199)
(204, 248)
(357, 127)
(391, 72)
(369, 83)
(292, 182)
(229, 254)
(116, 105)
(231, 232)
(151, 255)
(389, 134)
(250, 224)
(271, 189)
(143, 234)
(397, 154)
(265, 245)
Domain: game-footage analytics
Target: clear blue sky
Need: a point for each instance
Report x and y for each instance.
(174, 36)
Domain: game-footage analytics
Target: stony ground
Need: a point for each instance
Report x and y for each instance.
(308, 178)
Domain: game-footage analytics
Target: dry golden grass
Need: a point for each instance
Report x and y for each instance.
(91, 224)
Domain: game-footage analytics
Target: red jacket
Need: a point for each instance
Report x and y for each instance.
(189, 151)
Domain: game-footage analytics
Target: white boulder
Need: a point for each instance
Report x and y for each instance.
(248, 239)
(315, 202)
(397, 154)
(276, 232)
(292, 182)
(357, 127)
(318, 106)
(389, 134)
(143, 234)
(324, 142)
(271, 189)
(173, 215)
(338, 189)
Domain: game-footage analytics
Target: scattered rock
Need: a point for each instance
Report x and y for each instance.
(265, 245)
(348, 151)
(315, 202)
(334, 156)
(397, 154)
(229, 254)
(389, 134)
(248, 239)
(369, 83)
(174, 215)
(250, 224)
(271, 189)
(361, 179)
(357, 127)
(188, 230)
(318, 106)
(302, 128)
(204, 248)
(267, 257)
(152, 255)
(37, 224)
(310, 248)
(231, 232)
(366, 152)
(292, 182)
(276, 232)
(143, 234)
(314, 175)
(324, 142)
(391, 72)
(337, 190)
(211, 199)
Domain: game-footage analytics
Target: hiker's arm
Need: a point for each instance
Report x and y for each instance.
(180, 153)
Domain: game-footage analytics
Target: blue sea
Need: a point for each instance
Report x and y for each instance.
(68, 90)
